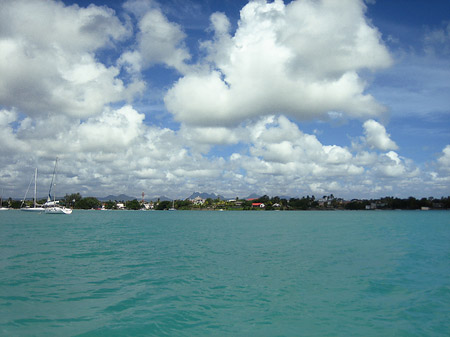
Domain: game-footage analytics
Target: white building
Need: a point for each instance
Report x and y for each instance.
(198, 201)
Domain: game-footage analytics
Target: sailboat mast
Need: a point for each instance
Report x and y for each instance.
(49, 198)
(35, 179)
(25, 197)
(54, 193)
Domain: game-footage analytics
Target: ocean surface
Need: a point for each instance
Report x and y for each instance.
(193, 273)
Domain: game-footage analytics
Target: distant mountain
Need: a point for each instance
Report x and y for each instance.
(161, 198)
(155, 198)
(120, 197)
(257, 196)
(215, 196)
(124, 197)
(205, 196)
(253, 196)
(284, 197)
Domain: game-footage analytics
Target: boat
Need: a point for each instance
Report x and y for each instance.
(173, 206)
(58, 210)
(53, 207)
(35, 207)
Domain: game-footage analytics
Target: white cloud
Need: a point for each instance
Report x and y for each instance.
(391, 165)
(63, 67)
(114, 152)
(440, 179)
(279, 141)
(220, 24)
(365, 158)
(49, 24)
(203, 138)
(437, 41)
(300, 59)
(113, 131)
(7, 117)
(140, 7)
(377, 137)
(7, 134)
(290, 161)
(332, 38)
(159, 41)
(337, 154)
(444, 159)
(47, 58)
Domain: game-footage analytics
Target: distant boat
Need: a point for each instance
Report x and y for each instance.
(34, 208)
(173, 206)
(52, 206)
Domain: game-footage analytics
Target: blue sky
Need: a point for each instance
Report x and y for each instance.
(295, 98)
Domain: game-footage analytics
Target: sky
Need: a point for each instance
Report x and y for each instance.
(283, 98)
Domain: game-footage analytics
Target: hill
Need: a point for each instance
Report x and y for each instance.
(205, 196)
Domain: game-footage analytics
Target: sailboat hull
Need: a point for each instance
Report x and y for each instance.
(58, 210)
(33, 209)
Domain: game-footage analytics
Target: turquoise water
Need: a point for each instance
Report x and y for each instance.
(132, 273)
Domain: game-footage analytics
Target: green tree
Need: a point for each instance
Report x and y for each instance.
(133, 204)
(88, 203)
(14, 203)
(445, 202)
(357, 204)
(247, 204)
(164, 205)
(299, 204)
(110, 205)
(183, 204)
(41, 201)
(264, 199)
(72, 199)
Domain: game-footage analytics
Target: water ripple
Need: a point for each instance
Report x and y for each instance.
(233, 274)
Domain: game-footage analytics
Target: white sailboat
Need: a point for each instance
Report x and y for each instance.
(52, 207)
(35, 207)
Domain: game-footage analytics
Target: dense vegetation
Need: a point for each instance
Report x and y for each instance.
(330, 202)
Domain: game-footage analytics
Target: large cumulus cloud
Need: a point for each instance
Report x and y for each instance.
(291, 162)
(113, 151)
(47, 58)
(300, 59)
